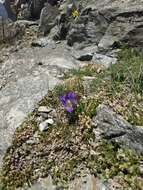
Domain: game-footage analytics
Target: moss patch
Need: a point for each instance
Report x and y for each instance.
(110, 161)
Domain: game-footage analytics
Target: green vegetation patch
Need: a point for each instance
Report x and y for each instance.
(110, 161)
(61, 149)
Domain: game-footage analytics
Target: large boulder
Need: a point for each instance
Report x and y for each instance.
(108, 24)
(111, 126)
(87, 29)
(48, 18)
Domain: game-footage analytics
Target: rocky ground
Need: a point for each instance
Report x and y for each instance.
(98, 146)
(26, 76)
(93, 147)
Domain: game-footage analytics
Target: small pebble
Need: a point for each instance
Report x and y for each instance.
(30, 141)
(44, 109)
(43, 115)
(50, 121)
(45, 125)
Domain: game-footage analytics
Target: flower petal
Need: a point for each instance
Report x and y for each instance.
(63, 99)
(71, 95)
(69, 109)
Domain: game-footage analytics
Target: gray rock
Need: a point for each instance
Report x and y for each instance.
(62, 27)
(42, 42)
(83, 56)
(88, 28)
(26, 23)
(32, 141)
(88, 78)
(89, 53)
(50, 121)
(109, 24)
(112, 126)
(43, 115)
(86, 57)
(126, 25)
(44, 109)
(54, 33)
(46, 124)
(64, 19)
(104, 59)
(48, 18)
(43, 126)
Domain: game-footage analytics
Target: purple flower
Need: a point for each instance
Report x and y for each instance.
(69, 101)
